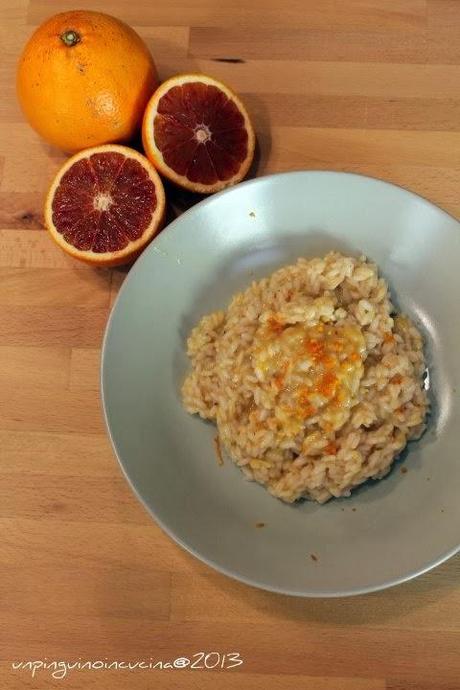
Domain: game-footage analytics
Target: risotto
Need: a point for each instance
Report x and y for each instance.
(314, 382)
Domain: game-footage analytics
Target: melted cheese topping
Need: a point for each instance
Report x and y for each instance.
(315, 371)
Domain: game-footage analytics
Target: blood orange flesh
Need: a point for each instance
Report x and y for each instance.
(198, 133)
(201, 133)
(104, 202)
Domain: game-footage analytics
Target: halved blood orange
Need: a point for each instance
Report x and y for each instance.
(105, 205)
(197, 133)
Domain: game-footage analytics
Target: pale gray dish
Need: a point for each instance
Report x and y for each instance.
(402, 525)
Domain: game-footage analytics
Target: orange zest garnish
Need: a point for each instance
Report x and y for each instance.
(329, 362)
(339, 398)
(280, 376)
(315, 348)
(328, 384)
(308, 410)
(275, 325)
(306, 407)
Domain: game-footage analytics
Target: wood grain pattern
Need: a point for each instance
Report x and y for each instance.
(369, 86)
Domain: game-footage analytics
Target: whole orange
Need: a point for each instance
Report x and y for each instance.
(84, 79)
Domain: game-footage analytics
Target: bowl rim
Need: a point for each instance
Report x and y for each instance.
(313, 594)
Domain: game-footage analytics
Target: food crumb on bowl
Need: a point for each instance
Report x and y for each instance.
(252, 214)
(403, 470)
(218, 449)
(353, 510)
(260, 524)
(314, 557)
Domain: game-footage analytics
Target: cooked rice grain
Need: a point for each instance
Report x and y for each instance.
(312, 460)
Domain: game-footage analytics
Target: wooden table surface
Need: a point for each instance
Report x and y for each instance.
(364, 85)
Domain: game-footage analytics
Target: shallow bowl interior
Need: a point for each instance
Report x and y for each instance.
(388, 531)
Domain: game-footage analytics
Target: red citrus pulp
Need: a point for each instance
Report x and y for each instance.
(198, 134)
(104, 205)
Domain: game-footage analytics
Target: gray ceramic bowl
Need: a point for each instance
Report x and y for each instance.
(388, 531)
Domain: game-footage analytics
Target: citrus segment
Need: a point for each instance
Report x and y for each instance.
(198, 134)
(105, 205)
